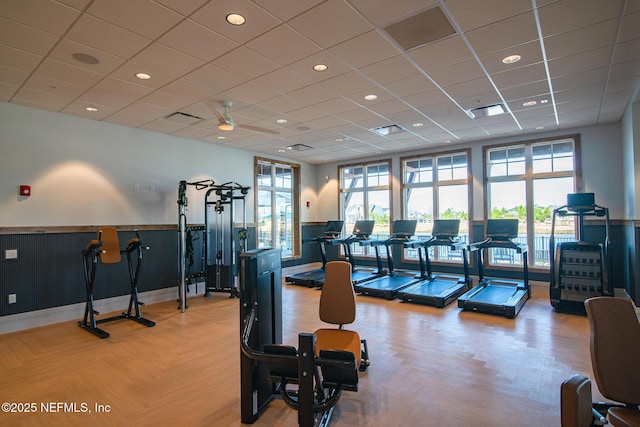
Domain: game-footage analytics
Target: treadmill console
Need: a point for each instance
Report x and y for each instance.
(445, 228)
(502, 229)
(363, 228)
(404, 228)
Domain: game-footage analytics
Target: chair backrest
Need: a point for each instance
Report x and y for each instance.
(338, 299)
(111, 248)
(615, 348)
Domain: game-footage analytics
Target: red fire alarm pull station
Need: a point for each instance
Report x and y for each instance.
(25, 190)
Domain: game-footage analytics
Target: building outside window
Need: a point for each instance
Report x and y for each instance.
(365, 194)
(527, 181)
(436, 187)
(277, 206)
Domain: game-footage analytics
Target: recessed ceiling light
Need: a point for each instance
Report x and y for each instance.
(339, 139)
(417, 125)
(91, 109)
(143, 76)
(540, 128)
(281, 121)
(236, 19)
(281, 151)
(448, 141)
(222, 137)
(544, 101)
(511, 59)
(371, 97)
(320, 67)
(529, 103)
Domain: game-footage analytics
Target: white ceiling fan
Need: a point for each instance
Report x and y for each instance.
(226, 122)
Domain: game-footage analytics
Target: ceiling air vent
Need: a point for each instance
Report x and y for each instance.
(488, 111)
(184, 118)
(388, 130)
(298, 147)
(417, 30)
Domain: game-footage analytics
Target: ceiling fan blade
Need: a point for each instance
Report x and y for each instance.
(258, 129)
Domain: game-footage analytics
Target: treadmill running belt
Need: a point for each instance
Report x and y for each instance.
(435, 287)
(495, 294)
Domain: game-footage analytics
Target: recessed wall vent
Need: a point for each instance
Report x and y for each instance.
(420, 29)
(388, 130)
(184, 118)
(298, 147)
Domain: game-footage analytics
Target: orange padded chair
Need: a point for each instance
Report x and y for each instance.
(338, 307)
(576, 409)
(615, 356)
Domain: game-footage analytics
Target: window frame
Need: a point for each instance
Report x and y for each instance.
(435, 184)
(529, 177)
(295, 202)
(364, 189)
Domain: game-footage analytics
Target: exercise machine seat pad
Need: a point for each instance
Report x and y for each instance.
(615, 348)
(338, 299)
(624, 417)
(338, 339)
(111, 248)
(575, 402)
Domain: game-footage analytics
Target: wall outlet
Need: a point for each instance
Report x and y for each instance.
(12, 298)
(11, 254)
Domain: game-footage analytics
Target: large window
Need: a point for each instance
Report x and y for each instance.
(436, 187)
(277, 206)
(365, 194)
(527, 181)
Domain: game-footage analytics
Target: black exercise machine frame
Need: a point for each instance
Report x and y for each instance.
(333, 370)
(426, 268)
(92, 252)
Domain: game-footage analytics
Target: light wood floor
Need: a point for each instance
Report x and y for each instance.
(429, 366)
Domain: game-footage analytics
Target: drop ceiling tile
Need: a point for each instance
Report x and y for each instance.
(214, 78)
(188, 90)
(440, 54)
(213, 15)
(282, 80)
(78, 108)
(127, 118)
(384, 12)
(553, 17)
(282, 104)
(245, 63)
(476, 88)
(330, 23)
(357, 51)
(18, 59)
(630, 26)
(23, 37)
(337, 105)
(166, 100)
(286, 9)
(457, 73)
(12, 76)
(584, 39)
(521, 29)
(76, 4)
(144, 17)
(581, 62)
(312, 94)
(520, 76)
(283, 45)
(585, 78)
(48, 101)
(169, 60)
(49, 16)
(197, 41)
(530, 52)
(68, 73)
(56, 87)
(471, 15)
(410, 86)
(114, 93)
(183, 7)
(627, 51)
(625, 69)
(390, 70)
(65, 50)
(162, 126)
(348, 83)
(529, 90)
(252, 93)
(7, 91)
(107, 37)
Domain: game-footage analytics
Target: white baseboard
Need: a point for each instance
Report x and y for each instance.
(35, 319)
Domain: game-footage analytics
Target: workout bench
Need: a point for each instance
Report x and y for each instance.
(107, 249)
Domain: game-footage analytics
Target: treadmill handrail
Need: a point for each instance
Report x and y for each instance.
(522, 248)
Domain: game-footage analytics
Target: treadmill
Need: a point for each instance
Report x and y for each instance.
(315, 278)
(361, 234)
(390, 285)
(439, 289)
(504, 297)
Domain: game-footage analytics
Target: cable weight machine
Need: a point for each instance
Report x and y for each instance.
(183, 247)
(221, 255)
